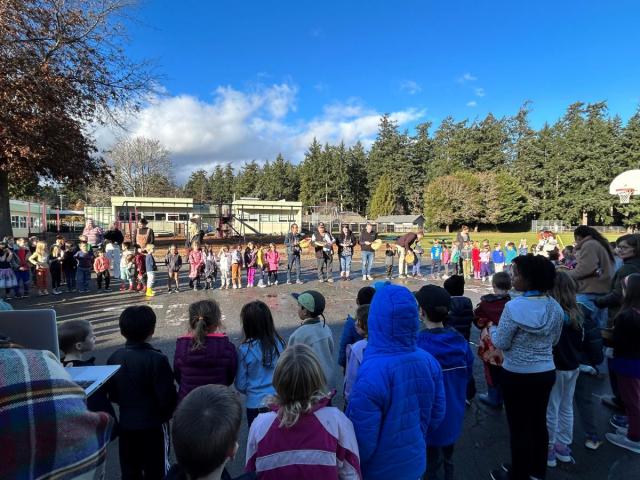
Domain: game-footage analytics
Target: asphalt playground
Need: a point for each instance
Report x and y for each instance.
(484, 443)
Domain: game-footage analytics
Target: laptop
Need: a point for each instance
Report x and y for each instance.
(34, 329)
(37, 330)
(92, 378)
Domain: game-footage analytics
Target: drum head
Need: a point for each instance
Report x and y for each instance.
(305, 243)
(410, 257)
(376, 244)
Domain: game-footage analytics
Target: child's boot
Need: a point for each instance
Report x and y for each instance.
(150, 292)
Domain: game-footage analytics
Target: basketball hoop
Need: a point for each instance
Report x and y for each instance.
(625, 194)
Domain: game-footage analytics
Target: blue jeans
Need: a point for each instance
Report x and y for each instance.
(345, 264)
(600, 315)
(293, 261)
(83, 276)
(367, 262)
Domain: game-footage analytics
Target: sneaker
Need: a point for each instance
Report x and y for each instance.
(195, 289)
(619, 421)
(53, 292)
(551, 457)
(369, 277)
(563, 453)
(276, 282)
(262, 285)
(330, 280)
(289, 282)
(623, 442)
(500, 474)
(107, 289)
(486, 400)
(593, 442)
(235, 287)
(299, 282)
(364, 278)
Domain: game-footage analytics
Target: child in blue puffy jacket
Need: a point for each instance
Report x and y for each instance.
(398, 399)
(454, 355)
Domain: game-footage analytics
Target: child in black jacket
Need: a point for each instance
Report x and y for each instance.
(145, 391)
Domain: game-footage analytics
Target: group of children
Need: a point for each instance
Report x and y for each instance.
(393, 425)
(259, 261)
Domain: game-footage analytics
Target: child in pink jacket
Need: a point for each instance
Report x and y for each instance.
(273, 260)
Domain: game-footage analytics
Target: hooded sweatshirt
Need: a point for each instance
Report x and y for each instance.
(529, 327)
(254, 379)
(398, 398)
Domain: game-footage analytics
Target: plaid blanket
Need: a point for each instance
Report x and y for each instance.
(46, 431)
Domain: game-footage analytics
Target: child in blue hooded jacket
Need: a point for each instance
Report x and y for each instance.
(398, 399)
(350, 334)
(454, 355)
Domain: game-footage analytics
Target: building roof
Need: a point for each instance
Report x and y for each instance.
(399, 219)
(151, 202)
(266, 203)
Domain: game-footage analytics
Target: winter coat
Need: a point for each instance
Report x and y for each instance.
(141, 264)
(150, 263)
(173, 262)
(461, 315)
(355, 354)
(113, 253)
(101, 264)
(349, 336)
(250, 257)
(225, 261)
(591, 350)
(398, 398)
(497, 256)
(446, 256)
(594, 268)
(196, 263)
(367, 237)
(488, 311)
(84, 259)
(317, 335)
(321, 445)
(566, 353)
(327, 249)
(529, 327)
(407, 240)
(215, 363)
(143, 387)
(346, 245)
(292, 241)
(626, 343)
(210, 266)
(273, 260)
(475, 256)
(454, 355)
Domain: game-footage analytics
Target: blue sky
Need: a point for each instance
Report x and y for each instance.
(244, 80)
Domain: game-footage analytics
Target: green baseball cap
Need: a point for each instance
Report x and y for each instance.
(311, 300)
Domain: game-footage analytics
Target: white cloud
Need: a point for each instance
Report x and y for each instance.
(479, 92)
(472, 103)
(466, 77)
(410, 86)
(238, 126)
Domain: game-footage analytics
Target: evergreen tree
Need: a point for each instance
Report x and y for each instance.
(221, 184)
(312, 176)
(357, 196)
(197, 187)
(383, 201)
(280, 180)
(421, 156)
(451, 149)
(490, 142)
(248, 183)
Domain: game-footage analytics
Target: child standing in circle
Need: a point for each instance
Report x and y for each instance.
(196, 265)
(236, 267)
(173, 261)
(40, 259)
(485, 263)
(303, 422)
(205, 355)
(101, 267)
(225, 268)
(257, 357)
(273, 262)
(250, 257)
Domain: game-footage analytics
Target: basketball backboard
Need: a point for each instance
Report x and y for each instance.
(626, 185)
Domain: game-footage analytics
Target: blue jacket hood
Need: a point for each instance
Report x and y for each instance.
(393, 321)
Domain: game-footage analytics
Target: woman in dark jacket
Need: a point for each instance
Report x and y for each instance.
(346, 242)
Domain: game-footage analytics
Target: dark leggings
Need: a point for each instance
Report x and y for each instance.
(56, 277)
(106, 276)
(526, 396)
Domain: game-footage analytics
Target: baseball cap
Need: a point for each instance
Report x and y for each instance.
(310, 300)
(430, 297)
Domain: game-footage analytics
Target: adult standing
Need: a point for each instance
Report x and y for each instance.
(594, 269)
(346, 242)
(403, 244)
(143, 235)
(196, 234)
(462, 236)
(529, 327)
(93, 233)
(323, 243)
(114, 234)
(367, 237)
(628, 247)
(292, 242)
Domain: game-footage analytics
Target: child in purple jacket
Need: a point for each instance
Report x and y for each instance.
(205, 355)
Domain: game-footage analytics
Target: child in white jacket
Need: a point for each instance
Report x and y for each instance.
(225, 268)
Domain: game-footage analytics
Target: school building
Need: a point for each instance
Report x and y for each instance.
(28, 218)
(267, 217)
(399, 223)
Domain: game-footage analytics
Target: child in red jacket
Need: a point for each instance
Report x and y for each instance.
(489, 311)
(475, 260)
(101, 267)
(141, 267)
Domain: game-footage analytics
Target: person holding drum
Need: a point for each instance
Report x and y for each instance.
(367, 237)
(404, 245)
(323, 243)
(292, 242)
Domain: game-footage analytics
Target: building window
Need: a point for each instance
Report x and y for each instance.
(23, 222)
(286, 217)
(159, 217)
(173, 217)
(184, 217)
(390, 228)
(14, 221)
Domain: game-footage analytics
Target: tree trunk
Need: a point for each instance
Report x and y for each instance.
(447, 229)
(585, 218)
(5, 211)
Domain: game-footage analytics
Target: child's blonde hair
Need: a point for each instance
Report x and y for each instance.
(150, 247)
(564, 291)
(298, 380)
(55, 250)
(41, 248)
